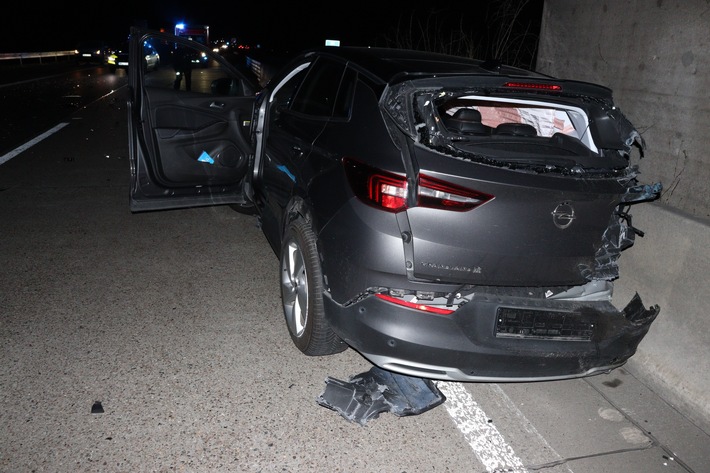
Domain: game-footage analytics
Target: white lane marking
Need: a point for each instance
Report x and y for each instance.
(505, 403)
(487, 443)
(7, 157)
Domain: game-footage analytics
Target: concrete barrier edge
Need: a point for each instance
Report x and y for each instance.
(669, 266)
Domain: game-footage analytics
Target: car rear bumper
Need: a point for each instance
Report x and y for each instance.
(475, 343)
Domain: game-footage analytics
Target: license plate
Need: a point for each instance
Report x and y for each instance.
(542, 324)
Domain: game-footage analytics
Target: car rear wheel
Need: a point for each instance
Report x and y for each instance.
(302, 293)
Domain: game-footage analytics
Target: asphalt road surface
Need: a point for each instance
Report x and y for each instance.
(168, 326)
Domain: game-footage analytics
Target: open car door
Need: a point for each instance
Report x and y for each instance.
(189, 122)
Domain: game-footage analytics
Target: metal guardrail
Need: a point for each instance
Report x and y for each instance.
(257, 69)
(39, 56)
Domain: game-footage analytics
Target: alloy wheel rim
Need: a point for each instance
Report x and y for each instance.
(294, 288)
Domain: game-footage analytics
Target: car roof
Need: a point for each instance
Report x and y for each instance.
(392, 65)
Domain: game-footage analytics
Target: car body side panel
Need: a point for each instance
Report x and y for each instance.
(288, 156)
(300, 162)
(363, 249)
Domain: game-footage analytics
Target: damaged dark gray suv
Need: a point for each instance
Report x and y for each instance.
(447, 218)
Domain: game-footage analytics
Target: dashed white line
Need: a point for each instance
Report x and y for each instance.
(486, 441)
(8, 156)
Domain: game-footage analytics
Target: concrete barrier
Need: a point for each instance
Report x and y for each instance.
(670, 266)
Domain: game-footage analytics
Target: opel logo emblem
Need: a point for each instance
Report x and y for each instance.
(563, 215)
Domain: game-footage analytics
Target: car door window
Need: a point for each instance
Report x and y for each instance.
(344, 100)
(318, 93)
(283, 95)
(187, 69)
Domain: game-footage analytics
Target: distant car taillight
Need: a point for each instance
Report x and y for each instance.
(388, 191)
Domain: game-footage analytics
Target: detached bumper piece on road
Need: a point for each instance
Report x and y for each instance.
(369, 394)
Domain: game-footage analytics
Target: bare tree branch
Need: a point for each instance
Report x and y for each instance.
(505, 33)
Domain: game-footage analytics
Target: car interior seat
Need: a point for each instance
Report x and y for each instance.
(515, 129)
(468, 122)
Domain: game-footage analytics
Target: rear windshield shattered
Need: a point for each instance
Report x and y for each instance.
(544, 118)
(532, 133)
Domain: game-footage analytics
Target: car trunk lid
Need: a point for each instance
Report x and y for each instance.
(535, 229)
(551, 159)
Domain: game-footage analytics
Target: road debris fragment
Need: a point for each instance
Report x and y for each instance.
(368, 394)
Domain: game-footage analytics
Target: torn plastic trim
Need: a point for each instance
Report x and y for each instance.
(623, 136)
(595, 290)
(642, 193)
(592, 291)
(619, 235)
(365, 396)
(638, 315)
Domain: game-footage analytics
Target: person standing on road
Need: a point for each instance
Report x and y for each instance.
(182, 62)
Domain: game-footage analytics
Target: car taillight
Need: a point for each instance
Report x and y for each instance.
(534, 86)
(442, 195)
(388, 191)
(415, 305)
(377, 187)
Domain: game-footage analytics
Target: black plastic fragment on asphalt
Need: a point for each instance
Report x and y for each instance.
(368, 394)
(97, 408)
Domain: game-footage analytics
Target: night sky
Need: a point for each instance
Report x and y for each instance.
(54, 26)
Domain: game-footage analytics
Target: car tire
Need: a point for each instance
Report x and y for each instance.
(302, 293)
